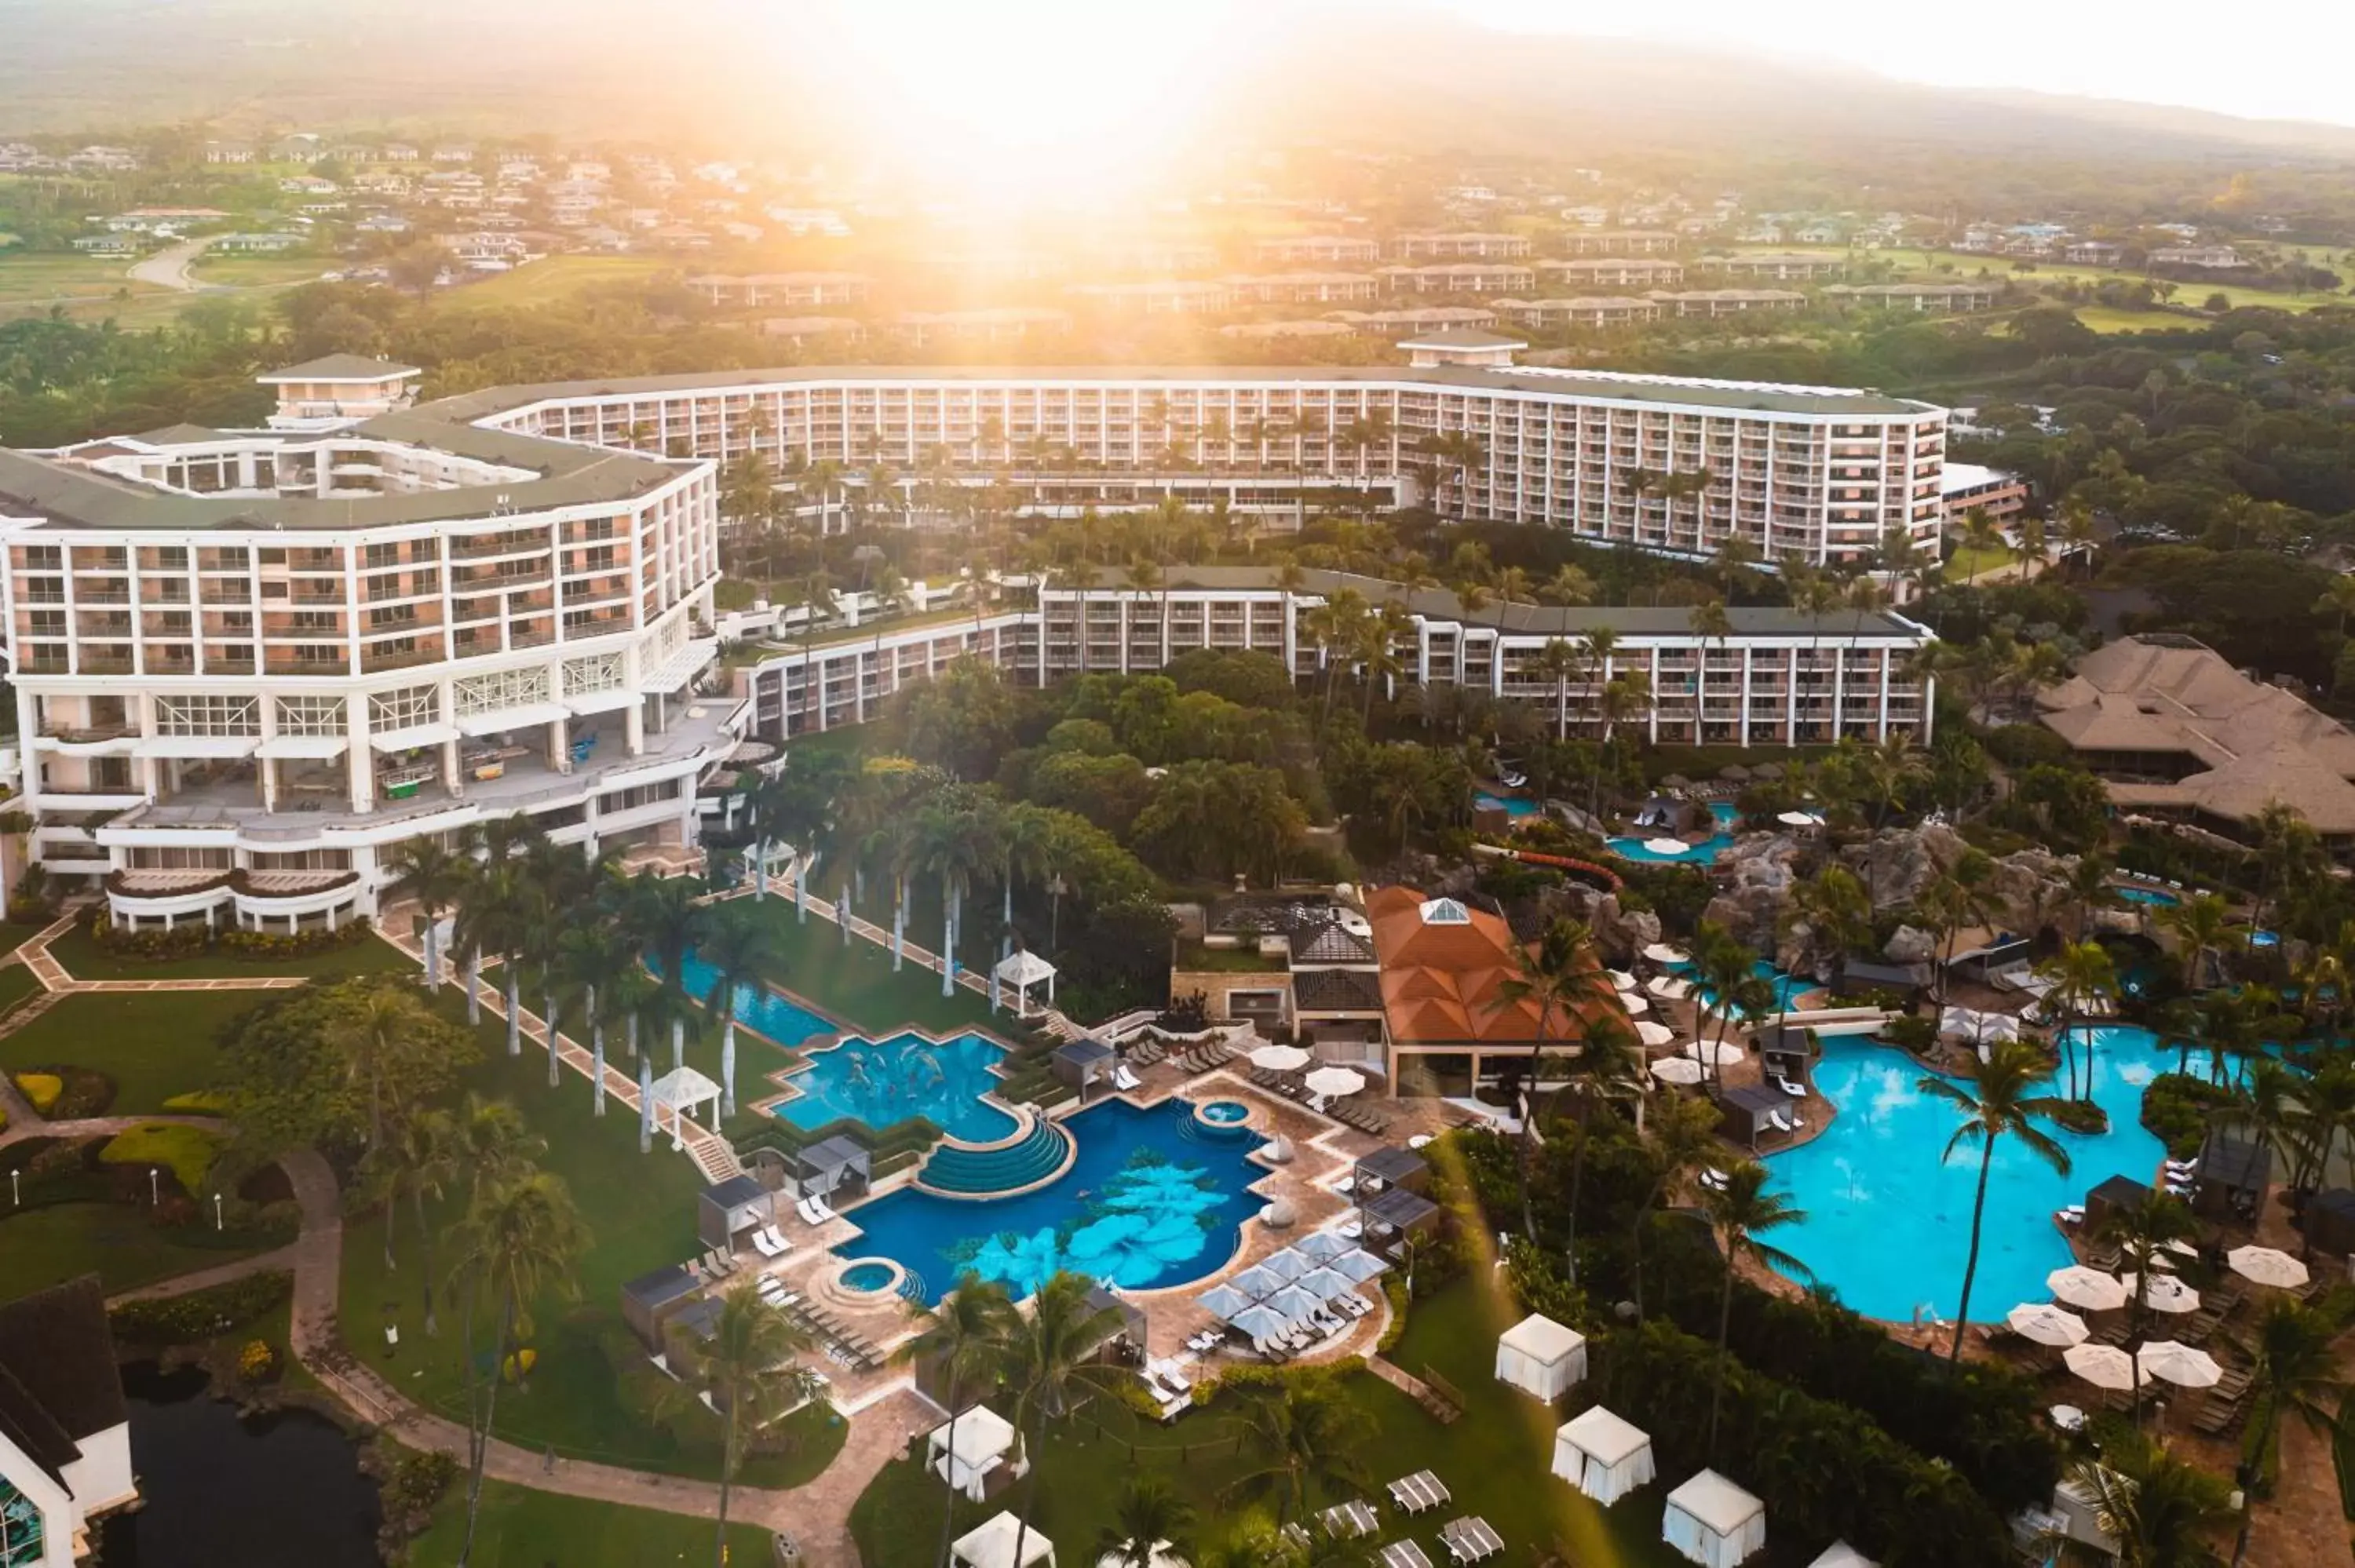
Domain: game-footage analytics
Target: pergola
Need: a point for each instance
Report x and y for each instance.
(681, 1090)
(1021, 969)
(831, 1165)
(991, 1545)
(967, 1451)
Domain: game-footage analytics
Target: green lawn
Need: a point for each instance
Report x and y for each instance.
(16, 984)
(78, 951)
(519, 1528)
(1913, 264)
(1494, 1461)
(257, 271)
(640, 1210)
(60, 1241)
(549, 280)
(154, 1045)
(2103, 318)
(1963, 562)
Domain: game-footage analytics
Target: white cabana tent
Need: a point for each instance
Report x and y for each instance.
(1603, 1455)
(984, 1439)
(1018, 972)
(1840, 1554)
(1540, 1356)
(1714, 1522)
(681, 1090)
(1661, 953)
(1163, 1556)
(991, 1545)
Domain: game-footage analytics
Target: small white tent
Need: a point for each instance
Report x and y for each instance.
(1540, 1356)
(991, 1545)
(1840, 1554)
(984, 1439)
(1603, 1455)
(1714, 1522)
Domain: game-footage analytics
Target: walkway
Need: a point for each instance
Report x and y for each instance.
(34, 956)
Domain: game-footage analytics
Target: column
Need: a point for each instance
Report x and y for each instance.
(633, 717)
(264, 768)
(1839, 689)
(360, 761)
(1746, 694)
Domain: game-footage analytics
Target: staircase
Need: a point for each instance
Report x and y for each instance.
(1039, 1154)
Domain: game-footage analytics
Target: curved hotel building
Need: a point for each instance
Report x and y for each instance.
(248, 663)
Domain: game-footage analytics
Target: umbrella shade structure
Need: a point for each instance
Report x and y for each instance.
(1223, 1302)
(1335, 1081)
(2103, 1366)
(1323, 1246)
(2180, 1364)
(1633, 1004)
(993, 1545)
(1163, 1556)
(1677, 1070)
(1360, 1265)
(1713, 1053)
(1968, 1024)
(1766, 770)
(1284, 1268)
(1652, 1034)
(2044, 1324)
(1293, 1302)
(1669, 987)
(1280, 1058)
(1735, 773)
(2267, 1266)
(1667, 846)
(1259, 1282)
(1799, 819)
(1323, 1283)
(1661, 953)
(1258, 1322)
(2086, 1289)
(2163, 1293)
(1620, 981)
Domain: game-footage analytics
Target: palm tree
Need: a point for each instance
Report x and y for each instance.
(2201, 925)
(496, 916)
(667, 924)
(1023, 835)
(2295, 1373)
(2083, 980)
(742, 950)
(2159, 1509)
(965, 1342)
(1151, 1519)
(433, 870)
(1741, 1210)
(2090, 889)
(949, 839)
(1050, 1360)
(1557, 661)
(1682, 1133)
(1304, 1438)
(748, 1371)
(1559, 976)
(596, 962)
(2143, 1231)
(521, 1238)
(1998, 1098)
(1981, 538)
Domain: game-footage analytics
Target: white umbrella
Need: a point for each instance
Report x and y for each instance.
(1284, 1267)
(1163, 1556)
(1260, 1321)
(1335, 1081)
(1359, 1265)
(1321, 1246)
(1669, 987)
(2179, 1364)
(1622, 980)
(1661, 953)
(1279, 1152)
(2165, 1252)
(2267, 1266)
(1799, 819)
(1293, 1302)
(1667, 846)
(2087, 1290)
(1714, 1053)
(1634, 1003)
(1223, 1301)
(1652, 1034)
(1323, 1283)
(1280, 1058)
(2164, 1293)
(1676, 1070)
(2103, 1366)
(2046, 1324)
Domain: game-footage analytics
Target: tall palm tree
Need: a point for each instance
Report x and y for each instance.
(2084, 980)
(594, 958)
(1050, 1361)
(496, 916)
(432, 869)
(2090, 889)
(949, 837)
(2201, 925)
(1741, 1210)
(667, 924)
(2143, 1231)
(966, 1340)
(2161, 1511)
(741, 949)
(373, 1033)
(1998, 1099)
(1559, 976)
(521, 1239)
(748, 1372)
(2295, 1375)
(1150, 1521)
(1558, 660)
(1304, 1439)
(1023, 835)
(1682, 1136)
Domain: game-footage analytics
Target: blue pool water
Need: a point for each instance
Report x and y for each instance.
(1225, 1113)
(1787, 988)
(868, 1276)
(1511, 805)
(1726, 813)
(1888, 1226)
(2146, 895)
(890, 1081)
(1153, 1199)
(786, 1023)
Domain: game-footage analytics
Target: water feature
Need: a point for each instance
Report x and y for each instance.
(1725, 813)
(1889, 1223)
(1153, 1199)
(280, 1490)
(1787, 988)
(869, 1276)
(2157, 895)
(1511, 805)
(778, 1018)
(1225, 1113)
(881, 1083)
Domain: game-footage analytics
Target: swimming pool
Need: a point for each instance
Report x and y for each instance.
(880, 1083)
(1725, 814)
(1787, 988)
(758, 1008)
(1153, 1199)
(1511, 805)
(2134, 895)
(1225, 1113)
(1889, 1226)
(869, 1276)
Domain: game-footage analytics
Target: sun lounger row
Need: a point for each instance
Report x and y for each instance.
(770, 1242)
(1365, 1118)
(842, 1346)
(1146, 1054)
(812, 1211)
(1203, 1058)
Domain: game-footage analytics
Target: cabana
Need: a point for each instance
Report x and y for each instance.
(1753, 1109)
(1840, 1554)
(833, 1166)
(726, 1210)
(2233, 1176)
(2115, 1194)
(650, 1299)
(2328, 1222)
(695, 1324)
(1540, 1356)
(1017, 972)
(1714, 1522)
(1603, 1455)
(1085, 1064)
(985, 1446)
(1396, 1213)
(1391, 1167)
(991, 1545)
(680, 1091)
(1133, 1325)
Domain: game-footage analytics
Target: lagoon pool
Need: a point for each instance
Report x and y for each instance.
(2134, 895)
(775, 1017)
(1511, 805)
(1888, 1226)
(1724, 812)
(1152, 1199)
(883, 1082)
(1787, 988)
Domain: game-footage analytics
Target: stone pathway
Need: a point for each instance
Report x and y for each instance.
(87, 1127)
(34, 956)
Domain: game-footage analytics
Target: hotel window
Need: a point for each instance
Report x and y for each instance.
(500, 689)
(311, 715)
(207, 715)
(404, 707)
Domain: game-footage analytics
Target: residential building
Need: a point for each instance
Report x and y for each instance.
(1965, 487)
(1317, 249)
(1162, 297)
(1800, 267)
(2092, 253)
(2209, 258)
(1710, 303)
(1583, 311)
(1459, 277)
(1944, 298)
(814, 290)
(1618, 242)
(229, 153)
(1305, 288)
(65, 1431)
(1413, 319)
(1302, 965)
(1598, 273)
(1465, 247)
(259, 244)
(803, 332)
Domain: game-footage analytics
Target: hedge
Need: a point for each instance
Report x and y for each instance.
(79, 1093)
(187, 941)
(200, 1314)
(40, 1090)
(189, 1151)
(2176, 1107)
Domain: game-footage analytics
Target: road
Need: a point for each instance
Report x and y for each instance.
(169, 269)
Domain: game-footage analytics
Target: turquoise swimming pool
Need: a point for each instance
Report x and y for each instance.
(1153, 1198)
(2134, 895)
(1511, 805)
(1888, 1226)
(758, 1008)
(884, 1082)
(1787, 988)
(1724, 812)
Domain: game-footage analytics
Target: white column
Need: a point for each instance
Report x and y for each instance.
(359, 763)
(1839, 689)
(1745, 694)
(264, 768)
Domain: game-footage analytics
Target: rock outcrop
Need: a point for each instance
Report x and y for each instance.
(1619, 934)
(1759, 872)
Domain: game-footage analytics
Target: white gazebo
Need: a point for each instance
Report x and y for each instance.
(1603, 1455)
(1539, 1356)
(991, 1545)
(984, 1440)
(1018, 972)
(1840, 1554)
(680, 1091)
(1714, 1522)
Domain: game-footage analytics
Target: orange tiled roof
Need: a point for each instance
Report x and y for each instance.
(1444, 978)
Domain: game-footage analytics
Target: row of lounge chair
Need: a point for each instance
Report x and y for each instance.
(1293, 1086)
(1205, 1058)
(844, 1346)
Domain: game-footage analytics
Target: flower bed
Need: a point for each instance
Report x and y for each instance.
(189, 940)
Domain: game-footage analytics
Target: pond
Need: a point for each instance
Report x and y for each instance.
(280, 1490)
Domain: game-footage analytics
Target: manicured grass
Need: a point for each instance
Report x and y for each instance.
(519, 1528)
(154, 1045)
(30, 281)
(856, 984)
(16, 984)
(60, 1241)
(1493, 1460)
(1963, 562)
(257, 271)
(640, 1210)
(78, 951)
(2103, 318)
(1919, 264)
(549, 280)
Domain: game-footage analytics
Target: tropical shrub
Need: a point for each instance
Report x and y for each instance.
(188, 941)
(200, 1314)
(41, 1090)
(64, 1092)
(256, 1362)
(187, 1151)
(2176, 1107)
(202, 1102)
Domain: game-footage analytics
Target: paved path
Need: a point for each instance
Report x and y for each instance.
(169, 269)
(93, 1126)
(34, 956)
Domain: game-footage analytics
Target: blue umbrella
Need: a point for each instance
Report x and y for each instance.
(1258, 1322)
(1357, 1266)
(1324, 1284)
(1323, 1245)
(1223, 1302)
(1258, 1281)
(1293, 1302)
(1286, 1265)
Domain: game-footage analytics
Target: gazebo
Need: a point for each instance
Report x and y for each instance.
(985, 1442)
(1714, 1522)
(831, 1166)
(680, 1090)
(2328, 1222)
(1540, 1356)
(1752, 1111)
(1840, 1554)
(2233, 1177)
(652, 1300)
(1389, 1166)
(991, 1545)
(726, 1210)
(1397, 1212)
(1603, 1455)
(2114, 1193)
(1020, 970)
(1083, 1063)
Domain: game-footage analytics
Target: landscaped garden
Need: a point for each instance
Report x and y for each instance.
(520, 1528)
(153, 1045)
(86, 958)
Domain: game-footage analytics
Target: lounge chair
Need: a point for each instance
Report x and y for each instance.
(1779, 1122)
(819, 1207)
(2072, 1214)
(1124, 1080)
(1796, 1091)
(763, 1245)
